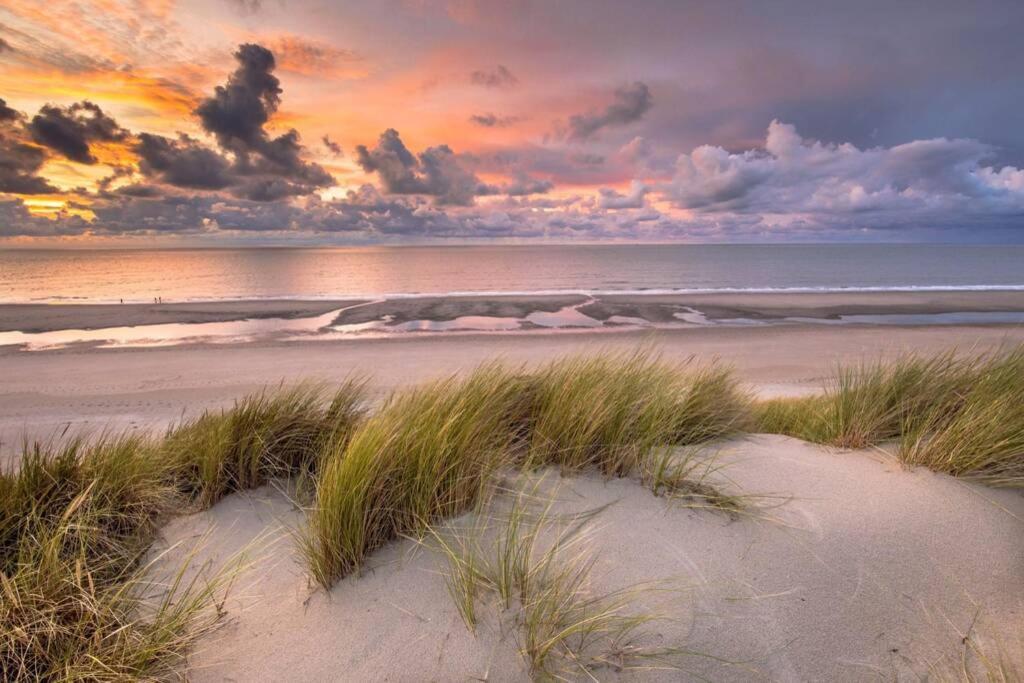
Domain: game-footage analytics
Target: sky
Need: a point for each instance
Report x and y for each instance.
(189, 122)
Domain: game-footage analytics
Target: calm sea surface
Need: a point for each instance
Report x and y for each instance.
(191, 275)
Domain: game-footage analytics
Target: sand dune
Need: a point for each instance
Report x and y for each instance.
(866, 571)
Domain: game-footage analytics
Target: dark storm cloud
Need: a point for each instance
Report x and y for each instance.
(238, 111)
(184, 162)
(393, 162)
(524, 186)
(16, 220)
(236, 115)
(436, 172)
(20, 160)
(250, 164)
(631, 103)
(269, 189)
(333, 147)
(19, 165)
(634, 199)
(70, 130)
(140, 190)
(6, 113)
(493, 120)
(499, 77)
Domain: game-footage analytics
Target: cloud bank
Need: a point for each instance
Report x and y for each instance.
(929, 182)
(240, 172)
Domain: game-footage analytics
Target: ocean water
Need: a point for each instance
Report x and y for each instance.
(269, 273)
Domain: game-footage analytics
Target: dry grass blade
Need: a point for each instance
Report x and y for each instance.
(538, 567)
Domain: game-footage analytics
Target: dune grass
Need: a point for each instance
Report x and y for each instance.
(76, 525)
(959, 415)
(610, 411)
(977, 431)
(425, 455)
(430, 450)
(534, 569)
(78, 518)
(271, 434)
(67, 614)
(125, 485)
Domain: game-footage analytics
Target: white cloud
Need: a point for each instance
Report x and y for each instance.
(927, 182)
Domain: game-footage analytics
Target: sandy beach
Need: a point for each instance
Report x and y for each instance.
(510, 342)
(844, 565)
(853, 569)
(46, 392)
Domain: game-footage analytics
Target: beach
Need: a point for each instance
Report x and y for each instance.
(80, 386)
(850, 568)
(525, 342)
(842, 564)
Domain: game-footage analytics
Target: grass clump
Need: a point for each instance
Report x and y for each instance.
(77, 520)
(683, 475)
(427, 454)
(271, 434)
(536, 570)
(959, 415)
(978, 431)
(867, 403)
(430, 450)
(127, 489)
(73, 606)
(68, 615)
(609, 411)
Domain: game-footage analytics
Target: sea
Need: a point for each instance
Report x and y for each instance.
(176, 275)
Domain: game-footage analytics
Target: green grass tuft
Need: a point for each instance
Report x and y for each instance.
(73, 580)
(609, 411)
(977, 431)
(959, 415)
(271, 434)
(427, 454)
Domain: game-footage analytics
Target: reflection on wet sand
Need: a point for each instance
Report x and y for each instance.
(569, 318)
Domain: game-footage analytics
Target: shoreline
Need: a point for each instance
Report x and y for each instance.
(649, 307)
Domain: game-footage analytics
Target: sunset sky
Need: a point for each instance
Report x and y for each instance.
(314, 122)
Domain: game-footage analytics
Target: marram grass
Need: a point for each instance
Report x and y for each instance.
(74, 583)
(77, 518)
(533, 569)
(959, 415)
(425, 455)
(610, 411)
(977, 431)
(263, 436)
(429, 452)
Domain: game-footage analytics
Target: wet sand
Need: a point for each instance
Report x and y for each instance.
(49, 317)
(652, 308)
